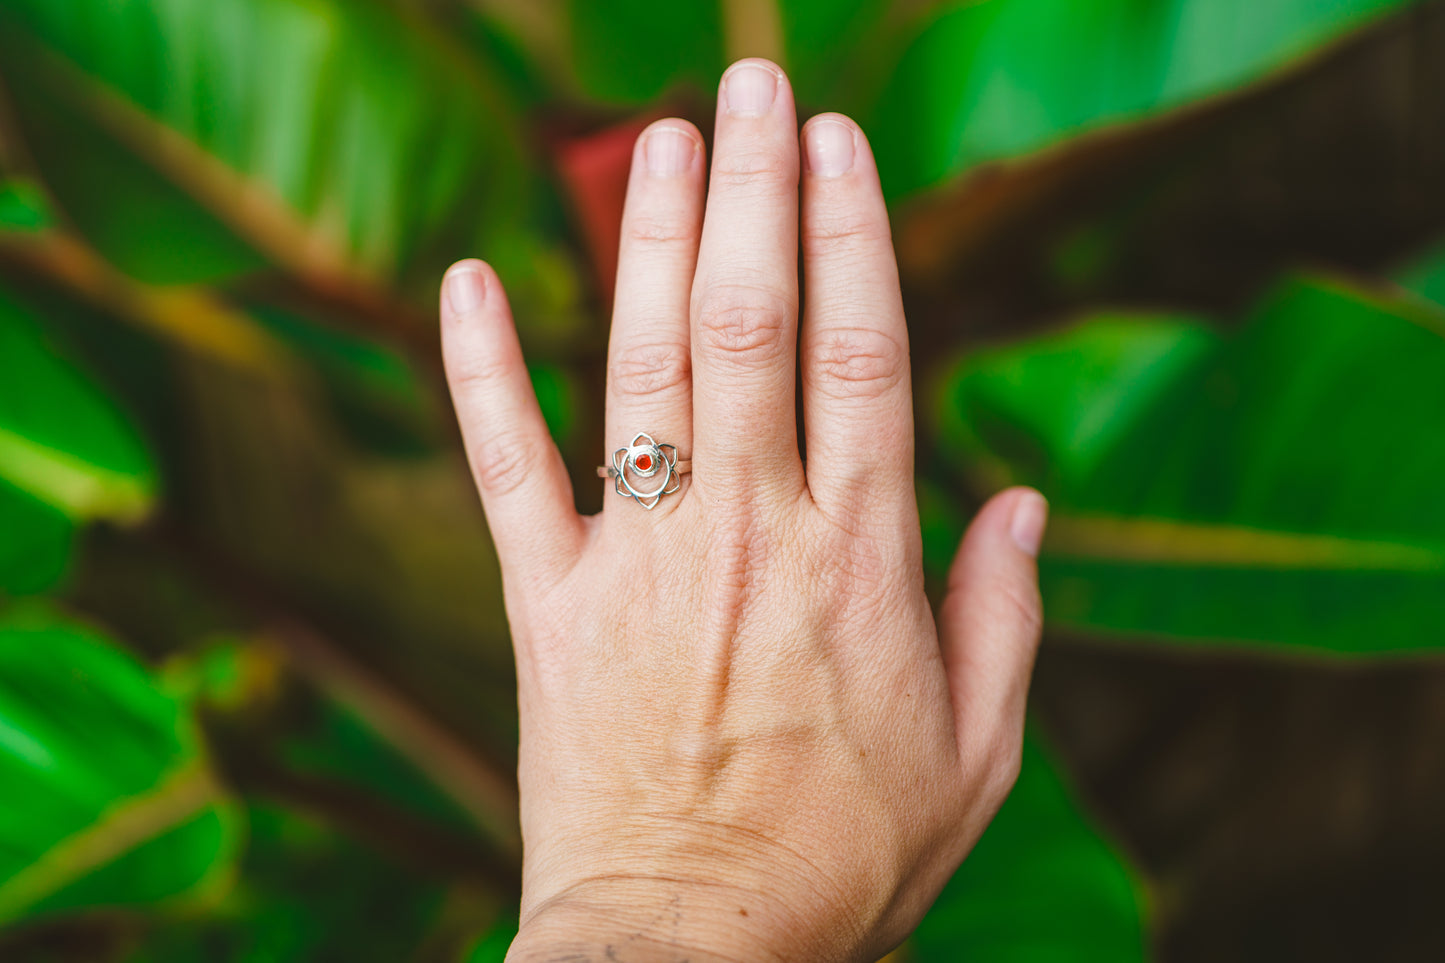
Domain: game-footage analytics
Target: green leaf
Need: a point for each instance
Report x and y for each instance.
(305, 893)
(996, 79)
(1279, 488)
(343, 138)
(36, 547)
(559, 398)
(632, 51)
(1041, 885)
(107, 798)
(374, 390)
(492, 946)
(23, 206)
(325, 738)
(66, 456)
(1425, 276)
(830, 43)
(339, 744)
(61, 440)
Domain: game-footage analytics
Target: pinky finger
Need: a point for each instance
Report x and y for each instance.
(518, 471)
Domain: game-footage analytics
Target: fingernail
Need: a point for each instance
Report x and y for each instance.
(668, 151)
(749, 90)
(466, 290)
(829, 148)
(1031, 514)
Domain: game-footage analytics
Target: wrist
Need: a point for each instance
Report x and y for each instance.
(657, 921)
(618, 935)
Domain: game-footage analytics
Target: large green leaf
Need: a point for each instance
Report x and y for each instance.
(996, 79)
(67, 455)
(342, 138)
(146, 225)
(107, 799)
(1052, 408)
(1280, 486)
(634, 52)
(1042, 886)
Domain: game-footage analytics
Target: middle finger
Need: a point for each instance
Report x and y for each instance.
(745, 293)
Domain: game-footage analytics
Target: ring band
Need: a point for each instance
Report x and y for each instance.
(644, 459)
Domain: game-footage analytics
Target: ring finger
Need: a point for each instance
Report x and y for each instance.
(649, 352)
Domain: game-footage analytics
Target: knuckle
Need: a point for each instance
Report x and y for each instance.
(658, 229)
(856, 362)
(866, 572)
(763, 170)
(503, 462)
(476, 372)
(746, 323)
(846, 229)
(1019, 605)
(1004, 761)
(645, 368)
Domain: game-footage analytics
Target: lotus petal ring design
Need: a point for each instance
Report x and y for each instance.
(643, 459)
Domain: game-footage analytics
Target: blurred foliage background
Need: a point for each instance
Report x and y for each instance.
(1176, 262)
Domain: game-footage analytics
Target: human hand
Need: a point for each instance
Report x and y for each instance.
(742, 735)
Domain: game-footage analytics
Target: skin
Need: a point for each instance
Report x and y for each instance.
(743, 734)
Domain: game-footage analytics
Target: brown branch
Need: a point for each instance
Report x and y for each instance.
(407, 838)
(486, 791)
(190, 316)
(753, 28)
(252, 208)
(487, 794)
(321, 274)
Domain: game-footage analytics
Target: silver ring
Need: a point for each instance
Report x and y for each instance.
(645, 458)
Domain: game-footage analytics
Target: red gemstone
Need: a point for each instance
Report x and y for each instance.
(643, 462)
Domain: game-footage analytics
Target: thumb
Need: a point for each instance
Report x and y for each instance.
(990, 621)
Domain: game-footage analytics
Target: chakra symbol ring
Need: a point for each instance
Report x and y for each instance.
(644, 459)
